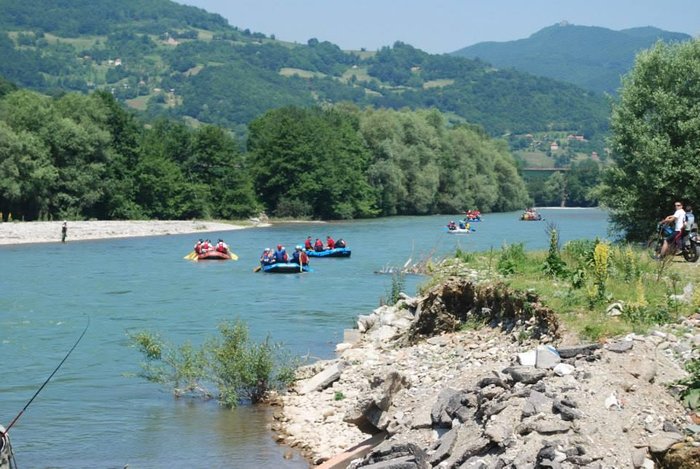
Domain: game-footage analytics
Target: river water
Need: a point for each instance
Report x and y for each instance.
(96, 414)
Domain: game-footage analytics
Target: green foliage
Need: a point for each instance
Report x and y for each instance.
(654, 144)
(465, 256)
(221, 75)
(310, 160)
(589, 56)
(338, 396)
(553, 265)
(691, 385)
(398, 284)
(511, 259)
(85, 157)
(237, 367)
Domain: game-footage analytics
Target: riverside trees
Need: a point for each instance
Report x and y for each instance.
(80, 157)
(656, 138)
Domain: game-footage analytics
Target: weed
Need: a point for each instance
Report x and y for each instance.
(338, 396)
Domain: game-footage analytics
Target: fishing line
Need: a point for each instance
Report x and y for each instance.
(49, 378)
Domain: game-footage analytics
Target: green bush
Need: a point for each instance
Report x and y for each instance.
(511, 259)
(236, 367)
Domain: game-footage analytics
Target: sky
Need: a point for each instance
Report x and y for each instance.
(442, 26)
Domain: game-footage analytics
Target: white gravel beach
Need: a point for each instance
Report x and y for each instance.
(50, 231)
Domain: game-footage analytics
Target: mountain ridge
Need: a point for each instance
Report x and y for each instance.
(170, 59)
(592, 57)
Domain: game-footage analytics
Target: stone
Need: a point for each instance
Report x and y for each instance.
(563, 369)
(620, 346)
(547, 357)
(662, 441)
(525, 375)
(528, 358)
(577, 350)
(323, 379)
(536, 403)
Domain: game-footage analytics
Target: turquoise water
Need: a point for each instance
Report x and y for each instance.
(95, 414)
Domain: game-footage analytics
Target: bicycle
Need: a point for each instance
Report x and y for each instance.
(686, 245)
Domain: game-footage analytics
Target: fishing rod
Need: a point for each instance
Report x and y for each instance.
(47, 379)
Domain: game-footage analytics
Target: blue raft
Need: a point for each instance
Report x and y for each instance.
(285, 268)
(336, 252)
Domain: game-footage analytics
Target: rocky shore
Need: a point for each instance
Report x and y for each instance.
(50, 231)
(475, 376)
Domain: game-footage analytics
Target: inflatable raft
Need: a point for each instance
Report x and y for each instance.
(336, 252)
(285, 268)
(216, 255)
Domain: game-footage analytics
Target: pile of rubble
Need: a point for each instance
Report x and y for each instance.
(505, 393)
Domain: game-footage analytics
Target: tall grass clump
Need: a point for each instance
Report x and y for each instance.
(511, 259)
(554, 266)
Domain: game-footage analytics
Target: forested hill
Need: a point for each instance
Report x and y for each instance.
(168, 59)
(591, 57)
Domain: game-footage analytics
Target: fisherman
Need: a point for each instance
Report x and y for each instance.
(6, 456)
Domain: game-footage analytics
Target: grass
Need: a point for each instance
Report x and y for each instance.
(592, 280)
(437, 83)
(288, 72)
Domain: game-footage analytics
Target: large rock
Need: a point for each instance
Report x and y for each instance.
(323, 379)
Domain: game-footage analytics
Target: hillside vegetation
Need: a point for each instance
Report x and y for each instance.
(591, 57)
(174, 60)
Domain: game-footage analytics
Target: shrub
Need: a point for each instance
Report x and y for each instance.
(511, 259)
(554, 266)
(236, 367)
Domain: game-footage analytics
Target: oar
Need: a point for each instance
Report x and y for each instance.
(191, 256)
(234, 257)
(257, 269)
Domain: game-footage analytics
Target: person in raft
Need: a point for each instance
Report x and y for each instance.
(281, 254)
(267, 257)
(299, 256)
(330, 243)
(308, 245)
(221, 246)
(340, 243)
(198, 246)
(318, 245)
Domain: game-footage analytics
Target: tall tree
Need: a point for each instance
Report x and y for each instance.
(310, 162)
(656, 138)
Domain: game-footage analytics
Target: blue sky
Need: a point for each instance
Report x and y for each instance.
(439, 26)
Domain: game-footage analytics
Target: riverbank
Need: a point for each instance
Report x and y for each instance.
(476, 376)
(50, 231)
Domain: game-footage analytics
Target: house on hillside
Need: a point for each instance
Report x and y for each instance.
(554, 146)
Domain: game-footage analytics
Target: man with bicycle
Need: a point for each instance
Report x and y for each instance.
(678, 219)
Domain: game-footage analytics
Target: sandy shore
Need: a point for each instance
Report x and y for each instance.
(50, 231)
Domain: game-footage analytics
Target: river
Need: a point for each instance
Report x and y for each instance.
(96, 414)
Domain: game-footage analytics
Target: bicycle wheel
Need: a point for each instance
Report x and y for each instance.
(654, 246)
(690, 251)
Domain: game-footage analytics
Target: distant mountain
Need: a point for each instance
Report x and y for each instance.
(164, 58)
(591, 57)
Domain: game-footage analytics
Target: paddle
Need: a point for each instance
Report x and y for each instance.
(257, 269)
(234, 257)
(191, 256)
